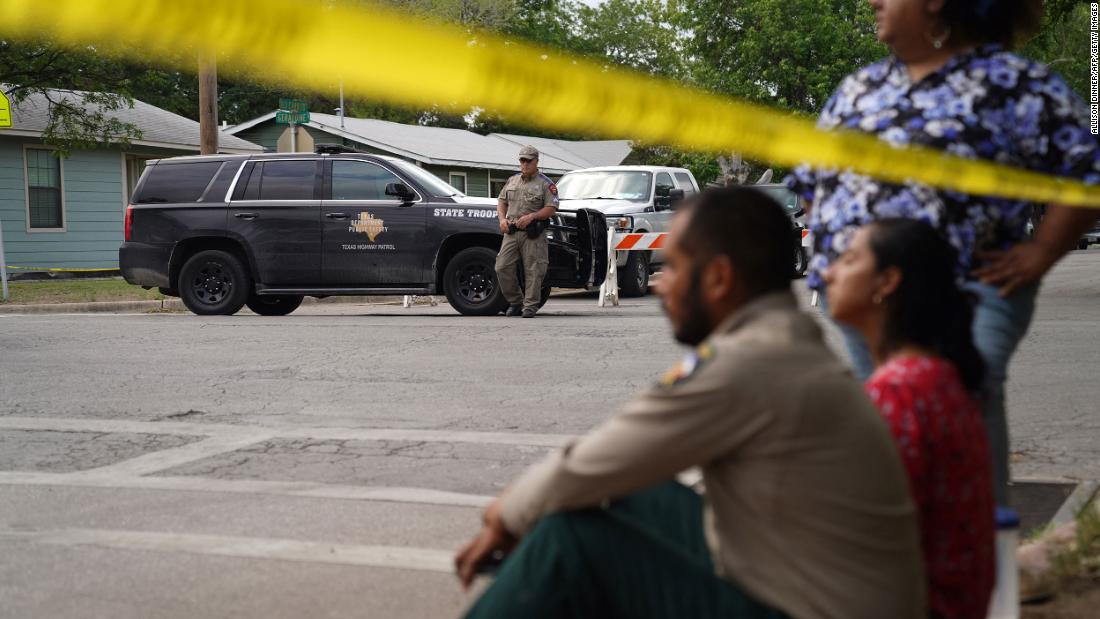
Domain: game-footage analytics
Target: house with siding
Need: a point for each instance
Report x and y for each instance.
(67, 212)
(477, 165)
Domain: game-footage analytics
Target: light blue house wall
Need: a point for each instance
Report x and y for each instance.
(93, 190)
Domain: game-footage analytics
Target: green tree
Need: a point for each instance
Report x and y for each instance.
(81, 87)
(1063, 43)
(789, 54)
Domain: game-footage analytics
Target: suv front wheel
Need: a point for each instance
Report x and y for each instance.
(470, 282)
(214, 282)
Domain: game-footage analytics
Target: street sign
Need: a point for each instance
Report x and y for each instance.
(283, 117)
(292, 111)
(293, 105)
(5, 110)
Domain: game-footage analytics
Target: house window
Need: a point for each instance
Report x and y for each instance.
(457, 180)
(496, 185)
(45, 208)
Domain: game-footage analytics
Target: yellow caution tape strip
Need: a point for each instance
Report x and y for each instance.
(59, 270)
(393, 57)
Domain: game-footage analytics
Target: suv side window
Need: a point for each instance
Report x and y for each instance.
(281, 180)
(176, 182)
(664, 184)
(685, 184)
(359, 180)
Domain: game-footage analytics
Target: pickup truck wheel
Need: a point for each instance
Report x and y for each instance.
(470, 282)
(213, 282)
(274, 304)
(634, 276)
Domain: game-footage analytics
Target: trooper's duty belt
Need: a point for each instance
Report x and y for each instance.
(533, 229)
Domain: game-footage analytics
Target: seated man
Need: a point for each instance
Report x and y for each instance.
(807, 511)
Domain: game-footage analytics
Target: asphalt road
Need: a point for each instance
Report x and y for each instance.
(328, 463)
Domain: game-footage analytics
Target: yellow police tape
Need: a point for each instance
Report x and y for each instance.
(393, 57)
(58, 270)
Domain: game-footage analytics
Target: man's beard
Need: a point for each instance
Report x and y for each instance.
(695, 326)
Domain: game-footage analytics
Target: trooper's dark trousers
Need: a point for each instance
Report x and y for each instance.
(643, 557)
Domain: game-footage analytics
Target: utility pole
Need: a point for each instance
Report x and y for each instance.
(208, 103)
(341, 103)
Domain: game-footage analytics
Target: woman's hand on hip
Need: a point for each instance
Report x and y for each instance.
(1024, 264)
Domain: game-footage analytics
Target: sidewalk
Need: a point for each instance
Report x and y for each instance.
(167, 305)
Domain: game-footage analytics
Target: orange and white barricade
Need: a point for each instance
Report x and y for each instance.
(629, 241)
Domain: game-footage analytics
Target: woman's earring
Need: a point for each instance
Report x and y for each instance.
(877, 299)
(937, 42)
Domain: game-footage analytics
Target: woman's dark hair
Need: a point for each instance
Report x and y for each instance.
(1007, 22)
(928, 308)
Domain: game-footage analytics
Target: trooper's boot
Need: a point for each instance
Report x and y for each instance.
(514, 310)
(529, 312)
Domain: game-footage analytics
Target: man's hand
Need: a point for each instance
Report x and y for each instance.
(493, 536)
(503, 226)
(1024, 264)
(524, 221)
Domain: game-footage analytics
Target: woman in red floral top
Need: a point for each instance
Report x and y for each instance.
(896, 285)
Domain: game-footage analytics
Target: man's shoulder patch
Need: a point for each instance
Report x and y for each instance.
(549, 183)
(687, 368)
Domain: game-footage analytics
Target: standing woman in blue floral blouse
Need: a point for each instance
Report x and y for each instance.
(950, 84)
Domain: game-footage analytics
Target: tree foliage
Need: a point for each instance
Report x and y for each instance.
(81, 117)
(789, 54)
(1063, 43)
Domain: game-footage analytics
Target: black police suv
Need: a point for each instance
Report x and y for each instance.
(224, 231)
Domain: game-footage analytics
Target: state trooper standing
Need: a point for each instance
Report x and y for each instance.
(524, 207)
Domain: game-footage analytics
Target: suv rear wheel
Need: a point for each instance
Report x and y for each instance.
(274, 304)
(470, 282)
(213, 282)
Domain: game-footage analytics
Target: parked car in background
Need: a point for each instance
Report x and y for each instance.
(633, 199)
(1092, 237)
(790, 203)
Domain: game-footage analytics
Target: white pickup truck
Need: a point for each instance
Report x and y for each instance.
(633, 199)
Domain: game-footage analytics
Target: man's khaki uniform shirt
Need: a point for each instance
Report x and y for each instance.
(524, 196)
(807, 503)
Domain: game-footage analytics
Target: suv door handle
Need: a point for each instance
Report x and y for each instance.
(245, 215)
(336, 215)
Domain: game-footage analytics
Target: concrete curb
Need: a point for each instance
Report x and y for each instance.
(172, 304)
(1076, 502)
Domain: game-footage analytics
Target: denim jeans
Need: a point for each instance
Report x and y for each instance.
(999, 326)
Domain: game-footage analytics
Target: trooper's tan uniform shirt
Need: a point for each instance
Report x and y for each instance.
(807, 503)
(523, 196)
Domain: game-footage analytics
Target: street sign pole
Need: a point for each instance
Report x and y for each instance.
(293, 138)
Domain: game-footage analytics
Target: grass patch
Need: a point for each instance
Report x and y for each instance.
(1073, 579)
(76, 291)
(1081, 559)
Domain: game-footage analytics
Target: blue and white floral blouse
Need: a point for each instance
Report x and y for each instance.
(983, 104)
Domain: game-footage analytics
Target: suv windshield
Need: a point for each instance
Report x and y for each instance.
(625, 185)
(429, 181)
